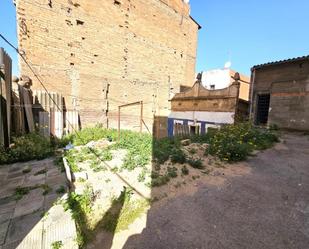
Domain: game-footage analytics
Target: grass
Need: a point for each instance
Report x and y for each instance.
(124, 211)
(57, 244)
(21, 191)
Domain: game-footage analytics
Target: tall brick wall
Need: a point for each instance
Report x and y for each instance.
(101, 54)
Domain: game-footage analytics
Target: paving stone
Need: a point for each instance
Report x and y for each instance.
(8, 207)
(34, 238)
(50, 200)
(6, 216)
(3, 231)
(33, 180)
(56, 180)
(12, 245)
(30, 203)
(15, 174)
(59, 225)
(9, 186)
(21, 226)
(53, 172)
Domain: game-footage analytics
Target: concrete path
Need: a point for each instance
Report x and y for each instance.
(32, 220)
(267, 207)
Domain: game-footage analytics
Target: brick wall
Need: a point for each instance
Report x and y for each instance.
(101, 54)
(288, 86)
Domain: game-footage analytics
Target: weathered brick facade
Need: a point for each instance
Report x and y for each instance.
(280, 94)
(101, 54)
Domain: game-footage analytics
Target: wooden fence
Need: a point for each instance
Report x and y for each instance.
(5, 97)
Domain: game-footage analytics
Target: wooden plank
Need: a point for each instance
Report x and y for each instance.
(44, 124)
(28, 108)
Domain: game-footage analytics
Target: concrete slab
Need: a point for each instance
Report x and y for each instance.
(30, 203)
(21, 226)
(33, 180)
(3, 231)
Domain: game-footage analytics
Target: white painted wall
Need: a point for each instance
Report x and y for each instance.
(219, 77)
(216, 117)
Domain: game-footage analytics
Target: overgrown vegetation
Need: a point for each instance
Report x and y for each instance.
(234, 143)
(57, 244)
(122, 213)
(25, 148)
(80, 206)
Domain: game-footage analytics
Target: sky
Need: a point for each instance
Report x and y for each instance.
(245, 32)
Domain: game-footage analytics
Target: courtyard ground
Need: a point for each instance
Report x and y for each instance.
(260, 203)
(29, 214)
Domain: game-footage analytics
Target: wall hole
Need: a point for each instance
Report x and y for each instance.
(79, 22)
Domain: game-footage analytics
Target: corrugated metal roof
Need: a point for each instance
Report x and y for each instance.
(281, 62)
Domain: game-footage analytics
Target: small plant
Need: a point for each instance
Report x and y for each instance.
(172, 172)
(197, 164)
(21, 191)
(46, 189)
(60, 190)
(178, 156)
(195, 177)
(192, 151)
(159, 181)
(57, 245)
(40, 172)
(26, 170)
(59, 163)
(184, 170)
(44, 215)
(142, 176)
(206, 171)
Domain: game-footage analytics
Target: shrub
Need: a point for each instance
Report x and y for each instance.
(172, 172)
(184, 170)
(234, 142)
(178, 156)
(197, 164)
(27, 147)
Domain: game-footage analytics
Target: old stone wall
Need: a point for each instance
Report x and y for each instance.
(288, 86)
(102, 54)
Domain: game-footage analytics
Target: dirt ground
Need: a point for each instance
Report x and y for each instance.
(261, 203)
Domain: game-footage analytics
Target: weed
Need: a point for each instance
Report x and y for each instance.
(206, 171)
(178, 156)
(129, 211)
(21, 191)
(40, 172)
(154, 175)
(184, 170)
(26, 170)
(159, 181)
(172, 172)
(59, 163)
(80, 205)
(44, 215)
(235, 142)
(195, 177)
(197, 164)
(192, 151)
(57, 245)
(60, 190)
(142, 176)
(46, 189)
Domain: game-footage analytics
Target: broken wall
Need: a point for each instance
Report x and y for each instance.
(102, 54)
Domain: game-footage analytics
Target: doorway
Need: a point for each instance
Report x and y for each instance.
(263, 101)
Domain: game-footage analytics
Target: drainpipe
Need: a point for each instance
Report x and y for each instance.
(252, 81)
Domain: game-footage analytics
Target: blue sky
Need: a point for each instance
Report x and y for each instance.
(247, 32)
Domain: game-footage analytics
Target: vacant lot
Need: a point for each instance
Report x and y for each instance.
(262, 203)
